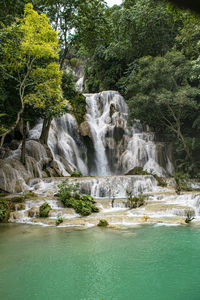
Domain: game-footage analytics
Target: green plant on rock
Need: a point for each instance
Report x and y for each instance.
(4, 211)
(134, 201)
(161, 182)
(137, 171)
(189, 216)
(182, 182)
(103, 223)
(44, 210)
(69, 195)
(76, 174)
(59, 220)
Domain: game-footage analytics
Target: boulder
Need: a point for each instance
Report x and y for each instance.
(85, 129)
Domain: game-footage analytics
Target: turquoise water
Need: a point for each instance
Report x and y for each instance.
(140, 263)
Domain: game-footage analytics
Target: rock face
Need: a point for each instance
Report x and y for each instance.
(85, 129)
(14, 176)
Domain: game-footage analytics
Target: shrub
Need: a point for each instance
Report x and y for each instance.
(189, 216)
(160, 180)
(4, 211)
(134, 201)
(69, 195)
(59, 220)
(76, 174)
(182, 182)
(44, 210)
(102, 223)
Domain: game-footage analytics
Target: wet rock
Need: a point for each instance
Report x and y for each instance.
(34, 212)
(85, 129)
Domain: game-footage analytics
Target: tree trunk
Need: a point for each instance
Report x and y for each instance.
(23, 149)
(63, 57)
(13, 126)
(2, 138)
(45, 131)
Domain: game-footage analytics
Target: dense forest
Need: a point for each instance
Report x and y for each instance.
(147, 50)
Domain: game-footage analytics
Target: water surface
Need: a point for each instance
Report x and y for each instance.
(139, 263)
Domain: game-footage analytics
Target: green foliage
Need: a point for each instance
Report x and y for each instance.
(30, 194)
(17, 199)
(182, 182)
(134, 201)
(189, 216)
(137, 171)
(160, 180)
(29, 59)
(3, 194)
(3, 210)
(103, 223)
(70, 197)
(59, 220)
(76, 99)
(76, 174)
(44, 210)
(162, 84)
(136, 30)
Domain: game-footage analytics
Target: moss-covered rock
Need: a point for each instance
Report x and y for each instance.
(44, 210)
(103, 223)
(137, 171)
(30, 194)
(140, 171)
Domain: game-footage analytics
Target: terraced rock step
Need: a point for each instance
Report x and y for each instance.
(162, 206)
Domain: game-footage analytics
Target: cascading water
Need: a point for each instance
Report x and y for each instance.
(115, 149)
(102, 145)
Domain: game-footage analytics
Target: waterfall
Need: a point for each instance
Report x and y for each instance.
(103, 145)
(116, 148)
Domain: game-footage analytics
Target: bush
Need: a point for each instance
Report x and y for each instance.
(102, 223)
(133, 201)
(59, 220)
(83, 204)
(76, 174)
(44, 210)
(189, 216)
(182, 182)
(160, 180)
(3, 210)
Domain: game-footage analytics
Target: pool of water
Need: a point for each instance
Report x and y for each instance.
(147, 262)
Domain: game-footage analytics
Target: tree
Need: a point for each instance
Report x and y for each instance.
(30, 58)
(137, 28)
(76, 21)
(160, 94)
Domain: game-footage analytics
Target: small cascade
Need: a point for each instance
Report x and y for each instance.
(80, 84)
